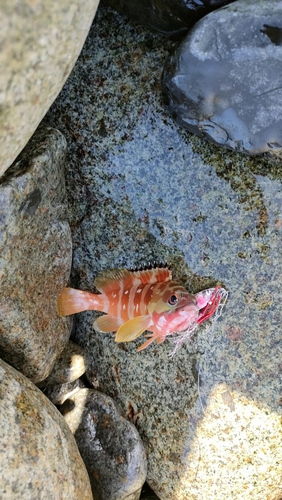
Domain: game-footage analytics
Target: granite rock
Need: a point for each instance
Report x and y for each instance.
(141, 189)
(224, 81)
(59, 393)
(166, 16)
(109, 445)
(35, 249)
(68, 367)
(40, 42)
(38, 454)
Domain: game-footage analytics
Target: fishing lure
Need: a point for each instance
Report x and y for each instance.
(135, 301)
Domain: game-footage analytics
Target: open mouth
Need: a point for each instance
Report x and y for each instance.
(214, 297)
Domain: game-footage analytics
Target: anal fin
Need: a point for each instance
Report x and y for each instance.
(107, 323)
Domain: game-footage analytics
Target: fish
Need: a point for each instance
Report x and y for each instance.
(139, 301)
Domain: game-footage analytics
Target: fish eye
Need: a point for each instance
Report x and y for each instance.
(173, 300)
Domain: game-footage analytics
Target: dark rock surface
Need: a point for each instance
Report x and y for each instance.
(166, 16)
(59, 393)
(140, 189)
(39, 458)
(109, 445)
(225, 81)
(35, 247)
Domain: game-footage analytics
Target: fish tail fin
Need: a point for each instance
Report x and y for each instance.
(71, 301)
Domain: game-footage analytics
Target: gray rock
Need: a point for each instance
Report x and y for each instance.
(69, 366)
(38, 454)
(166, 16)
(40, 42)
(143, 189)
(109, 445)
(59, 393)
(35, 248)
(224, 82)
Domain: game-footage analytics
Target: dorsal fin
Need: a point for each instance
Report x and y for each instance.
(110, 280)
(153, 275)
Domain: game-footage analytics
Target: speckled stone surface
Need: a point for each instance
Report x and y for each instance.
(35, 256)
(68, 367)
(39, 458)
(110, 446)
(40, 42)
(142, 189)
(224, 82)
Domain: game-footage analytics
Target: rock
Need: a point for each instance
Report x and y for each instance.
(141, 189)
(109, 445)
(38, 454)
(36, 251)
(59, 393)
(166, 16)
(224, 82)
(69, 366)
(40, 42)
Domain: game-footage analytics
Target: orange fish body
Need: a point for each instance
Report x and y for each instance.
(134, 302)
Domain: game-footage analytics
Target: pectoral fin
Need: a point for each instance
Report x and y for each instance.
(132, 329)
(107, 323)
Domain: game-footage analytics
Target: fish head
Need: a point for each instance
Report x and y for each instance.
(173, 310)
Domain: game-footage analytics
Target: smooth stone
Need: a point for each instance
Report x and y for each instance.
(58, 394)
(109, 445)
(38, 453)
(68, 367)
(224, 81)
(40, 42)
(166, 16)
(36, 253)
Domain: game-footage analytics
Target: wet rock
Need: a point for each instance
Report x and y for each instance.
(40, 42)
(38, 454)
(224, 82)
(109, 445)
(59, 393)
(35, 247)
(166, 16)
(69, 366)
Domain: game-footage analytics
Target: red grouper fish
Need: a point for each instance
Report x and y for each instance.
(135, 301)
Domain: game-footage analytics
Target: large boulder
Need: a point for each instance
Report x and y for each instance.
(40, 42)
(38, 454)
(36, 251)
(224, 82)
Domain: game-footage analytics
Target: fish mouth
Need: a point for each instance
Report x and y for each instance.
(210, 301)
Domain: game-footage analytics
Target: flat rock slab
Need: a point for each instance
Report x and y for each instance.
(38, 454)
(224, 82)
(110, 446)
(35, 248)
(141, 189)
(40, 42)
